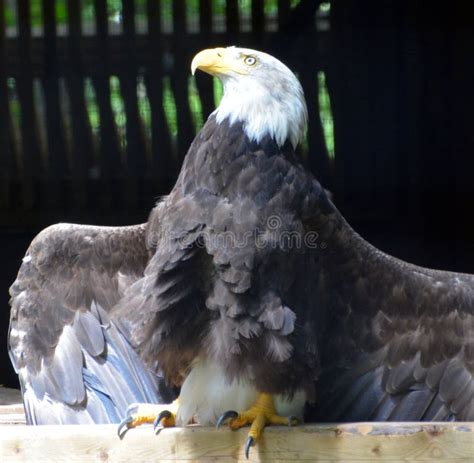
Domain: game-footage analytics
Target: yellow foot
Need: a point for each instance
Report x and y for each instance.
(258, 416)
(161, 415)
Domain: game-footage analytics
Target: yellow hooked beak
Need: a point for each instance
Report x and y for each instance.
(216, 61)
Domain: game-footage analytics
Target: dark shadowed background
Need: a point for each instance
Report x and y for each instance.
(97, 109)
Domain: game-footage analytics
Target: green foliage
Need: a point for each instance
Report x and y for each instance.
(325, 7)
(218, 7)
(14, 107)
(218, 91)
(92, 107)
(61, 11)
(271, 7)
(36, 13)
(10, 17)
(118, 109)
(144, 107)
(166, 11)
(169, 106)
(195, 104)
(325, 113)
(87, 10)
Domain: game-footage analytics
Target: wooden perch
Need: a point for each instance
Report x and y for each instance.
(348, 442)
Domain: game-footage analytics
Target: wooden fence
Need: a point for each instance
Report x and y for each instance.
(105, 117)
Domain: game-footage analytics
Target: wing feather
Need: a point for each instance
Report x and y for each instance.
(410, 326)
(74, 363)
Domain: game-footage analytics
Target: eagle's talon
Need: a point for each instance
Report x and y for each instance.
(124, 426)
(260, 415)
(164, 415)
(292, 421)
(249, 443)
(230, 414)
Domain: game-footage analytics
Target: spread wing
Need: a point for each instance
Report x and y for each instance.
(74, 364)
(399, 341)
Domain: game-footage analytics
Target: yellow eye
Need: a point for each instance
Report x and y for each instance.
(250, 60)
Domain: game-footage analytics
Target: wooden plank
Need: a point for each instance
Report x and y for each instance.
(441, 442)
(12, 414)
(11, 408)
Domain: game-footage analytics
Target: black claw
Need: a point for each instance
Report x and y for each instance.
(124, 425)
(292, 420)
(250, 443)
(225, 416)
(157, 422)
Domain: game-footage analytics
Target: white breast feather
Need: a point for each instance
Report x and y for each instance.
(206, 394)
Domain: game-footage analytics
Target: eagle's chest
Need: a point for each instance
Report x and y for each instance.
(207, 393)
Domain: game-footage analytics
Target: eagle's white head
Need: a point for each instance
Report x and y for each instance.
(259, 90)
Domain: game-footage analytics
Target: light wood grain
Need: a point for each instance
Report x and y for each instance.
(12, 414)
(349, 442)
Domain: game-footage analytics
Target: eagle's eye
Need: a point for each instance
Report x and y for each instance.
(250, 60)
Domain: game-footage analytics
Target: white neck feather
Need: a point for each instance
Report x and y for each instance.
(278, 112)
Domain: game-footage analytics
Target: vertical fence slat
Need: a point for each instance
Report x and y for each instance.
(232, 17)
(317, 160)
(204, 83)
(258, 21)
(303, 16)
(7, 157)
(136, 162)
(205, 17)
(31, 165)
(161, 143)
(56, 169)
(179, 80)
(110, 164)
(284, 7)
(82, 146)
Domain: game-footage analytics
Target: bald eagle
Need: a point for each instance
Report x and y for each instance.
(246, 289)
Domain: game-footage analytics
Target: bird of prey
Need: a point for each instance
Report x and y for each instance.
(246, 289)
